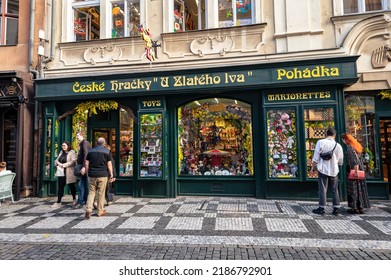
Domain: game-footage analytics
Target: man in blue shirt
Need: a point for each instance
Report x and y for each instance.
(99, 169)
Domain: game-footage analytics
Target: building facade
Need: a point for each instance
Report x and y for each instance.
(18, 52)
(216, 97)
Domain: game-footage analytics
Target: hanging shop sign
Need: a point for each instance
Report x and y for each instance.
(174, 83)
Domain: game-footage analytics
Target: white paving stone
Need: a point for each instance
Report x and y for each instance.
(268, 207)
(159, 208)
(95, 222)
(41, 209)
(4, 209)
(52, 222)
(383, 226)
(140, 222)
(241, 224)
(190, 208)
(118, 208)
(285, 225)
(185, 223)
(13, 222)
(232, 207)
(340, 227)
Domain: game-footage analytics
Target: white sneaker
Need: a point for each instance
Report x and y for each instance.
(74, 202)
(56, 205)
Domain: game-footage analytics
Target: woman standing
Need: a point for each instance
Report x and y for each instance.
(357, 189)
(65, 163)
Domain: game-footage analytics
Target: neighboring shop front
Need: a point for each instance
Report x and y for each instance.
(16, 126)
(235, 131)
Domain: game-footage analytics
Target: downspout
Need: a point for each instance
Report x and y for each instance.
(52, 37)
(35, 74)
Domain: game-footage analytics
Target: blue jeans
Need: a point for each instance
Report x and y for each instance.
(324, 182)
(82, 188)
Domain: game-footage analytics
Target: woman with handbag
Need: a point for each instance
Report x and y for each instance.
(356, 184)
(65, 164)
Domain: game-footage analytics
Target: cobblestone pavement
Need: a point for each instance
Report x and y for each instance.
(193, 228)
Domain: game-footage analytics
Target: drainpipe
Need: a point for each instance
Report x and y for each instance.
(31, 40)
(52, 37)
(35, 74)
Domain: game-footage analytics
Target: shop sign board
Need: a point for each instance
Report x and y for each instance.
(176, 83)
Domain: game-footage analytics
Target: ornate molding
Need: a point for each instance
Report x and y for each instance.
(211, 45)
(98, 54)
(381, 56)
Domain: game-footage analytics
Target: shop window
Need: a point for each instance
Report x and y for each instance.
(126, 143)
(235, 13)
(151, 144)
(9, 22)
(282, 152)
(115, 19)
(86, 22)
(215, 138)
(125, 18)
(361, 123)
(48, 152)
(189, 15)
(362, 6)
(316, 122)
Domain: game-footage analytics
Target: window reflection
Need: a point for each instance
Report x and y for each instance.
(361, 123)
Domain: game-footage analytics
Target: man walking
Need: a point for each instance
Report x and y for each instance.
(99, 169)
(327, 170)
(82, 186)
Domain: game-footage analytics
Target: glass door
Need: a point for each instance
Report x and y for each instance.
(385, 138)
(316, 122)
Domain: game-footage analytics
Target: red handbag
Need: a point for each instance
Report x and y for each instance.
(360, 175)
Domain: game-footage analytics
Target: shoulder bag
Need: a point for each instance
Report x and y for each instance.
(328, 155)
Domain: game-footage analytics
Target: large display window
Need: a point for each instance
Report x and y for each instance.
(282, 153)
(215, 138)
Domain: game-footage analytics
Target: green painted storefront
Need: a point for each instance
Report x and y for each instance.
(297, 87)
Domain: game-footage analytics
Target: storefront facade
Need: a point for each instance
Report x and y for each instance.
(231, 131)
(16, 126)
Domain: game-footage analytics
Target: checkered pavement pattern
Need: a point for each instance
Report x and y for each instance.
(187, 220)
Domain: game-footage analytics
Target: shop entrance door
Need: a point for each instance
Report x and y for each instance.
(8, 125)
(385, 132)
(108, 134)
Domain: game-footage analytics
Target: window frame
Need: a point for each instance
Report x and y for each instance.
(4, 17)
(234, 14)
(105, 17)
(362, 9)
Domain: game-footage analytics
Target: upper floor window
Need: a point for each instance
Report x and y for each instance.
(362, 6)
(235, 13)
(95, 19)
(9, 20)
(189, 15)
(125, 18)
(86, 20)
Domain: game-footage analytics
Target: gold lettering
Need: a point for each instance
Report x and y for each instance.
(164, 82)
(76, 87)
(280, 74)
